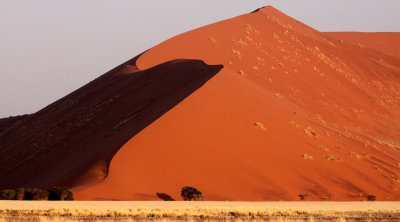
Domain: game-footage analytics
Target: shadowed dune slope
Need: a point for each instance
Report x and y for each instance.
(294, 111)
(73, 140)
(7, 123)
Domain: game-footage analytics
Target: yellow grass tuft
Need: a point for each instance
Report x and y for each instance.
(307, 156)
(331, 157)
(294, 124)
(310, 132)
(260, 126)
(355, 155)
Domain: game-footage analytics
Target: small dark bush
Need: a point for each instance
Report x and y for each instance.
(19, 194)
(303, 196)
(57, 193)
(165, 197)
(38, 194)
(60, 193)
(371, 197)
(7, 195)
(191, 193)
(35, 194)
(28, 194)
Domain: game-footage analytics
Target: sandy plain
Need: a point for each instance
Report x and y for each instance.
(11, 211)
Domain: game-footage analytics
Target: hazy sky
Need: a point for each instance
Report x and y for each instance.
(49, 48)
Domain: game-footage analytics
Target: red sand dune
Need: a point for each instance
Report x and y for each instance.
(388, 42)
(293, 111)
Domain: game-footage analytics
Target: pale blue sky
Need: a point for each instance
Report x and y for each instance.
(49, 48)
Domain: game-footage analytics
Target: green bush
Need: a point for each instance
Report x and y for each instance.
(60, 193)
(7, 195)
(191, 193)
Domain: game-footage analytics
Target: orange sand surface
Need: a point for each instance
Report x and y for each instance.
(388, 42)
(294, 111)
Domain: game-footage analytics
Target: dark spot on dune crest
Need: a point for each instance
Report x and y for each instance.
(257, 10)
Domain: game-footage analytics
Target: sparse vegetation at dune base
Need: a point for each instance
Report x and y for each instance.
(191, 193)
(11, 211)
(55, 193)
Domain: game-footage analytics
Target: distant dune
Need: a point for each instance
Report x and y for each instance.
(281, 110)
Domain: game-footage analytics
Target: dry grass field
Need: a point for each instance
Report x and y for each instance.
(105, 211)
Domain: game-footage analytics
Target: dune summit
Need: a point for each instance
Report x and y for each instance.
(281, 110)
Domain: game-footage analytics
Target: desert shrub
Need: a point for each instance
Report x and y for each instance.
(165, 197)
(20, 194)
(191, 193)
(7, 195)
(38, 194)
(28, 195)
(371, 197)
(303, 196)
(35, 194)
(60, 193)
(24, 194)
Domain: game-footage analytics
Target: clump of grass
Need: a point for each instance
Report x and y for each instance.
(310, 132)
(307, 156)
(260, 126)
(331, 157)
(294, 124)
(355, 155)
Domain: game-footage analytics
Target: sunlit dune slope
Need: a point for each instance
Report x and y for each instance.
(294, 111)
(388, 42)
